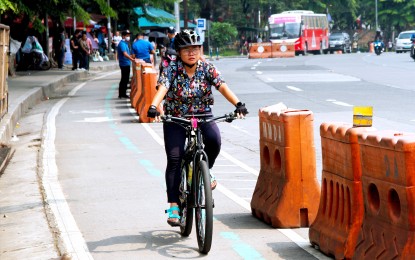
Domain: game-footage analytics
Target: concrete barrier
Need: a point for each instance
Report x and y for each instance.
(287, 191)
(259, 50)
(388, 179)
(340, 213)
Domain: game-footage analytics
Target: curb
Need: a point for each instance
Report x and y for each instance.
(28, 100)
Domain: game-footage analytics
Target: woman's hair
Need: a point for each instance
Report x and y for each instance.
(186, 38)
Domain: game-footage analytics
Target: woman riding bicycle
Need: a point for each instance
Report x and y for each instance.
(186, 87)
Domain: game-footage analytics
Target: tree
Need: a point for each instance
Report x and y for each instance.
(6, 5)
(222, 34)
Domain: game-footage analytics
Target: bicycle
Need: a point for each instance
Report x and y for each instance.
(195, 186)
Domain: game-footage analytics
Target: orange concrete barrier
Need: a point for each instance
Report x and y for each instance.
(340, 215)
(287, 190)
(139, 96)
(268, 147)
(259, 50)
(149, 82)
(133, 84)
(283, 50)
(388, 178)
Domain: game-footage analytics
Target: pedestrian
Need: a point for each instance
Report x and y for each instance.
(91, 49)
(169, 52)
(242, 45)
(59, 46)
(259, 39)
(115, 40)
(74, 45)
(169, 41)
(84, 52)
(142, 49)
(124, 61)
(186, 86)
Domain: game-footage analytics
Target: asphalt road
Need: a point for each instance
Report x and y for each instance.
(110, 170)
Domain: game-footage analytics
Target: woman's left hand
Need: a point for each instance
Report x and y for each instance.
(241, 110)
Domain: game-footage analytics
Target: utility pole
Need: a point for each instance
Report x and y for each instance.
(376, 14)
(47, 35)
(185, 18)
(177, 15)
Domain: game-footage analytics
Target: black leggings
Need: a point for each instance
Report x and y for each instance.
(174, 139)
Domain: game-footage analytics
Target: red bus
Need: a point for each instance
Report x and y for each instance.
(307, 30)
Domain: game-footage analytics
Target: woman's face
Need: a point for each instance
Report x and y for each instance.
(190, 54)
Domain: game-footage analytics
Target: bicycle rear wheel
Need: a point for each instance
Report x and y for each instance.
(204, 208)
(186, 212)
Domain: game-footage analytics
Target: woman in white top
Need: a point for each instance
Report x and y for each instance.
(115, 40)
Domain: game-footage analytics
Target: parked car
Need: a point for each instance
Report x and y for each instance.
(403, 42)
(339, 41)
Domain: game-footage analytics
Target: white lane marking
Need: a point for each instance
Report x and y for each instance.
(153, 134)
(95, 119)
(72, 239)
(291, 235)
(233, 197)
(294, 88)
(233, 180)
(340, 103)
(98, 111)
(259, 72)
(310, 77)
(253, 68)
(239, 163)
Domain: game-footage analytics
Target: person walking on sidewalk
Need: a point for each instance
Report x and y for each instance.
(59, 46)
(84, 52)
(115, 41)
(74, 44)
(142, 49)
(186, 86)
(124, 61)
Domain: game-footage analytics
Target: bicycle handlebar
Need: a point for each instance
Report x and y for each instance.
(199, 117)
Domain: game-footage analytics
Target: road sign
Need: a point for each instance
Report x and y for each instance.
(201, 23)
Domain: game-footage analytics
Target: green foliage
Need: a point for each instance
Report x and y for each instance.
(222, 34)
(6, 5)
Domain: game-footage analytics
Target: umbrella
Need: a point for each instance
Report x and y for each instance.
(156, 34)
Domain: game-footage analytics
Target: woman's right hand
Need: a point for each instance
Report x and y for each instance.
(153, 113)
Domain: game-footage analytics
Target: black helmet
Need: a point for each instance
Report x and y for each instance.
(186, 38)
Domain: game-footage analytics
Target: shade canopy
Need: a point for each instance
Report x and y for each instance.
(145, 23)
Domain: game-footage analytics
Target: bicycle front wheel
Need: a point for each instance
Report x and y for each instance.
(204, 208)
(186, 212)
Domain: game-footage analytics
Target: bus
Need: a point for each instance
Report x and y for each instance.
(306, 30)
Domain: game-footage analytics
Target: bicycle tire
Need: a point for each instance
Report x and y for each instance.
(186, 213)
(45, 65)
(204, 208)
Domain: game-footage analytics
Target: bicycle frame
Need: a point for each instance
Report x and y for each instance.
(198, 202)
(195, 141)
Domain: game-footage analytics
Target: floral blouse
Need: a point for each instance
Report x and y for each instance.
(189, 95)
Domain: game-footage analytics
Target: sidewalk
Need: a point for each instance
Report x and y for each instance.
(24, 229)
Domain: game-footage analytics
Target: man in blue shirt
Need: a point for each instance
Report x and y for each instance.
(142, 49)
(124, 61)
